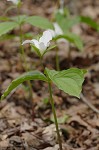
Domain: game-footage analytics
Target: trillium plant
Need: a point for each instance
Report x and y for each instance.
(70, 81)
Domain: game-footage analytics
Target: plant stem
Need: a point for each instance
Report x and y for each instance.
(62, 4)
(55, 117)
(57, 61)
(23, 58)
(26, 69)
(41, 63)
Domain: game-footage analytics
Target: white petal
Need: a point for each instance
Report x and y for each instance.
(42, 47)
(58, 30)
(52, 33)
(27, 41)
(36, 43)
(46, 38)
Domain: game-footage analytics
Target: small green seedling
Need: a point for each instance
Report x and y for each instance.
(70, 81)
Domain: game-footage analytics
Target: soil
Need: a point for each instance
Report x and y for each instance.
(79, 122)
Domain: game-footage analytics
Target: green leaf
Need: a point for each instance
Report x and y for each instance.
(66, 12)
(19, 19)
(5, 27)
(59, 17)
(3, 18)
(28, 35)
(70, 80)
(32, 75)
(40, 22)
(8, 9)
(73, 38)
(36, 50)
(90, 22)
(66, 23)
(49, 49)
(7, 36)
(62, 13)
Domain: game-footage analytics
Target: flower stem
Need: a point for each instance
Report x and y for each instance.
(41, 62)
(55, 117)
(26, 69)
(61, 4)
(57, 61)
(23, 58)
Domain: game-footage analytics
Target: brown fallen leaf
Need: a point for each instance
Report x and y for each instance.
(4, 144)
(49, 134)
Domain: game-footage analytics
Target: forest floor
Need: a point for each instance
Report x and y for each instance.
(79, 124)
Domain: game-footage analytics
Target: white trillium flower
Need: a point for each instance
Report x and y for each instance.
(57, 30)
(14, 1)
(43, 43)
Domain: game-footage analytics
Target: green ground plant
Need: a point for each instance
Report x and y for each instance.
(70, 80)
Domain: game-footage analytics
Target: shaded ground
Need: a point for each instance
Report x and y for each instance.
(80, 128)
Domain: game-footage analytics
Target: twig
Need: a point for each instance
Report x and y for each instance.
(89, 104)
